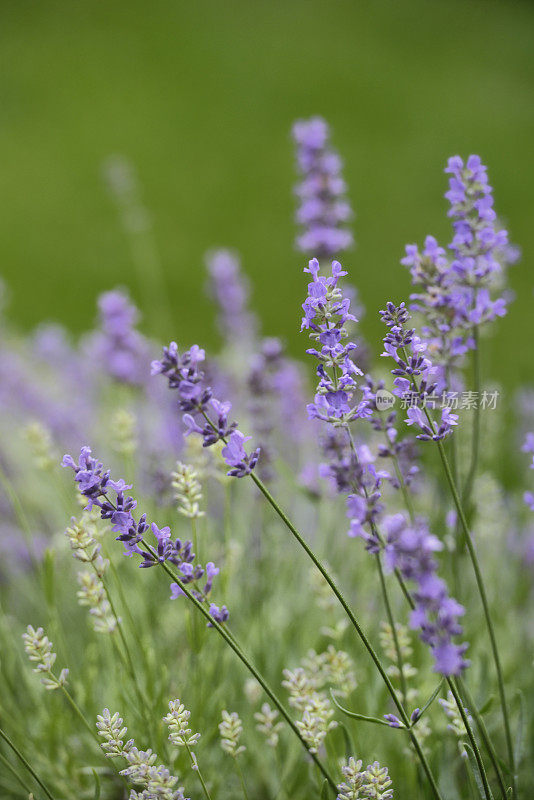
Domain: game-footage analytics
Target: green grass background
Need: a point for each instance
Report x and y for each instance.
(201, 96)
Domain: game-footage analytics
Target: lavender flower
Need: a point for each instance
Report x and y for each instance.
(410, 354)
(276, 393)
(325, 313)
(205, 415)
(230, 289)
(117, 347)
(457, 291)
(323, 211)
(103, 492)
(410, 548)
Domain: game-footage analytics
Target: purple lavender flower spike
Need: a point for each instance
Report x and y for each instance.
(107, 494)
(323, 209)
(410, 548)
(230, 289)
(116, 346)
(459, 290)
(205, 415)
(414, 374)
(326, 312)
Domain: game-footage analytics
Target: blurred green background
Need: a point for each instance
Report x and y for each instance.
(201, 96)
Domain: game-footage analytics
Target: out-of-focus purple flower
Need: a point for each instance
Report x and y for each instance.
(117, 347)
(410, 548)
(97, 485)
(230, 290)
(323, 210)
(276, 396)
(205, 415)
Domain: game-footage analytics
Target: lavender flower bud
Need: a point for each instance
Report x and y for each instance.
(323, 209)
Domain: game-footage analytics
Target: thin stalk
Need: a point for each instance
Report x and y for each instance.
(391, 620)
(483, 733)
(76, 708)
(487, 741)
(326, 575)
(472, 740)
(28, 766)
(481, 590)
(131, 621)
(248, 664)
(383, 585)
(475, 444)
(195, 767)
(487, 615)
(7, 764)
(241, 778)
(129, 660)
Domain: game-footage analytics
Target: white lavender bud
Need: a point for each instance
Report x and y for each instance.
(177, 721)
(456, 724)
(110, 727)
(231, 729)
(378, 782)
(370, 784)
(157, 782)
(39, 649)
(187, 490)
(316, 721)
(93, 595)
(300, 687)
(252, 690)
(40, 441)
(267, 724)
(123, 432)
(83, 544)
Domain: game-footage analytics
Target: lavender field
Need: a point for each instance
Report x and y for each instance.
(334, 590)
(267, 529)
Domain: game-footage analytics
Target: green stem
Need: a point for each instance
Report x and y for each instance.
(241, 778)
(487, 615)
(483, 596)
(80, 714)
(195, 767)
(14, 772)
(483, 733)
(28, 766)
(393, 627)
(475, 444)
(326, 575)
(239, 653)
(129, 660)
(449, 680)
(472, 740)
